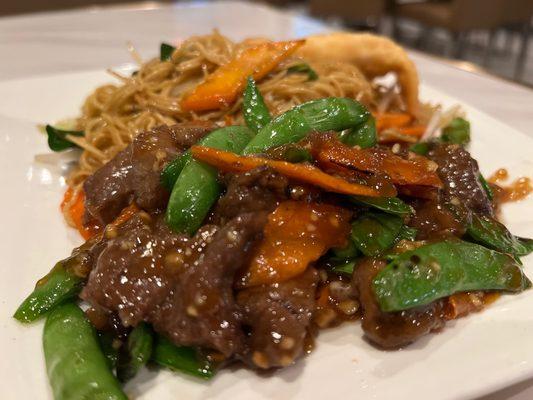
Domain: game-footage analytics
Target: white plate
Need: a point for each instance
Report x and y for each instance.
(471, 357)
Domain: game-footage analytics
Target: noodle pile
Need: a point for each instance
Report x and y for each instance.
(114, 114)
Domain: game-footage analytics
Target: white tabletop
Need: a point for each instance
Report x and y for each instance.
(52, 43)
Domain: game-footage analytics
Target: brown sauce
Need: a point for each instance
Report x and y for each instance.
(517, 190)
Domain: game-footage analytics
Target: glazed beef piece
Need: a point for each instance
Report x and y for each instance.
(277, 318)
(394, 329)
(258, 190)
(116, 184)
(182, 285)
(459, 173)
(201, 308)
(434, 219)
(130, 277)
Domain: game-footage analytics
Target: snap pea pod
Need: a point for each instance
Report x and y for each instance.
(437, 270)
(486, 187)
(347, 252)
(197, 188)
(421, 148)
(364, 136)
(107, 345)
(76, 367)
(329, 114)
(181, 359)
(255, 112)
(457, 132)
(491, 233)
(390, 205)
(373, 233)
(170, 173)
(219, 139)
(137, 352)
(56, 287)
(344, 268)
(407, 233)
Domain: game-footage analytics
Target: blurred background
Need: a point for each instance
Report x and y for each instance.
(490, 34)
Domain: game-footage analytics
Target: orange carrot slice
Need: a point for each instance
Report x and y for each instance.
(413, 130)
(392, 120)
(77, 213)
(416, 171)
(296, 234)
(223, 86)
(306, 173)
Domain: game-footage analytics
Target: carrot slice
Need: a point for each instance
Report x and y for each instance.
(77, 212)
(413, 130)
(232, 162)
(392, 120)
(416, 171)
(223, 86)
(296, 234)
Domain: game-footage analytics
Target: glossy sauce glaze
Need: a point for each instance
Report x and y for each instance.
(518, 190)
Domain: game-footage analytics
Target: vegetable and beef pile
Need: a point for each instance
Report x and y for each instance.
(207, 245)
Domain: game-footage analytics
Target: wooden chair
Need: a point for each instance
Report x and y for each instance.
(517, 16)
(351, 12)
(456, 16)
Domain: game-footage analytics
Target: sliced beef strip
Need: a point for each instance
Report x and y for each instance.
(201, 309)
(277, 318)
(260, 189)
(459, 173)
(182, 285)
(130, 277)
(433, 219)
(117, 183)
(394, 329)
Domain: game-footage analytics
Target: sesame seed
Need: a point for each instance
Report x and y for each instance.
(285, 361)
(191, 310)
(396, 148)
(287, 343)
(260, 360)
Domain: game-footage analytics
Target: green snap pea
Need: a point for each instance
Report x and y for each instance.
(344, 268)
(137, 352)
(290, 152)
(110, 351)
(390, 205)
(170, 173)
(329, 114)
(364, 136)
(76, 367)
(437, 270)
(347, 252)
(219, 139)
(487, 231)
(197, 188)
(373, 233)
(56, 287)
(255, 112)
(407, 233)
(457, 132)
(421, 148)
(486, 187)
(181, 359)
